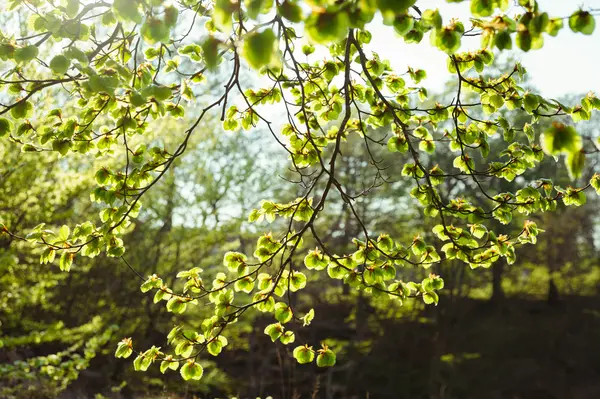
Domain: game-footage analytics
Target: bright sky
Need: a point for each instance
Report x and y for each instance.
(568, 63)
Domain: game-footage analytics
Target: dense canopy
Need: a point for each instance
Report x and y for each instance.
(123, 91)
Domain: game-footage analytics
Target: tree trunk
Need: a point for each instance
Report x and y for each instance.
(497, 273)
(553, 294)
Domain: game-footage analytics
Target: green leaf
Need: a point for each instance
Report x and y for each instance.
(288, 337)
(166, 365)
(222, 14)
(290, 10)
(403, 23)
(336, 271)
(176, 305)
(496, 100)
(574, 197)
(170, 16)
(437, 283)
(214, 347)
(63, 233)
(283, 312)
(397, 144)
(155, 30)
(316, 260)
(25, 54)
(431, 298)
(583, 22)
(124, 349)
(142, 362)
(160, 295)
(152, 282)
(385, 242)
(394, 6)
(210, 52)
(524, 40)
(127, 10)
(297, 281)
(482, 8)
(184, 348)
(6, 127)
(22, 109)
(246, 285)
(427, 146)
(326, 358)
(446, 39)
(575, 162)
(233, 260)
(325, 27)
(530, 102)
(274, 331)
(560, 138)
(308, 317)
(161, 93)
(308, 49)
(304, 354)
(191, 371)
(60, 64)
(554, 26)
(192, 51)
(259, 48)
(72, 8)
(137, 363)
(61, 146)
(255, 7)
(102, 176)
(529, 132)
(66, 260)
(595, 182)
(431, 19)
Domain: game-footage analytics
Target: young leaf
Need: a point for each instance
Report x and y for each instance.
(326, 358)
(6, 127)
(59, 64)
(304, 354)
(259, 48)
(191, 371)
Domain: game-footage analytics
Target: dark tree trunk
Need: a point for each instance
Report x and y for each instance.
(497, 273)
(553, 294)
